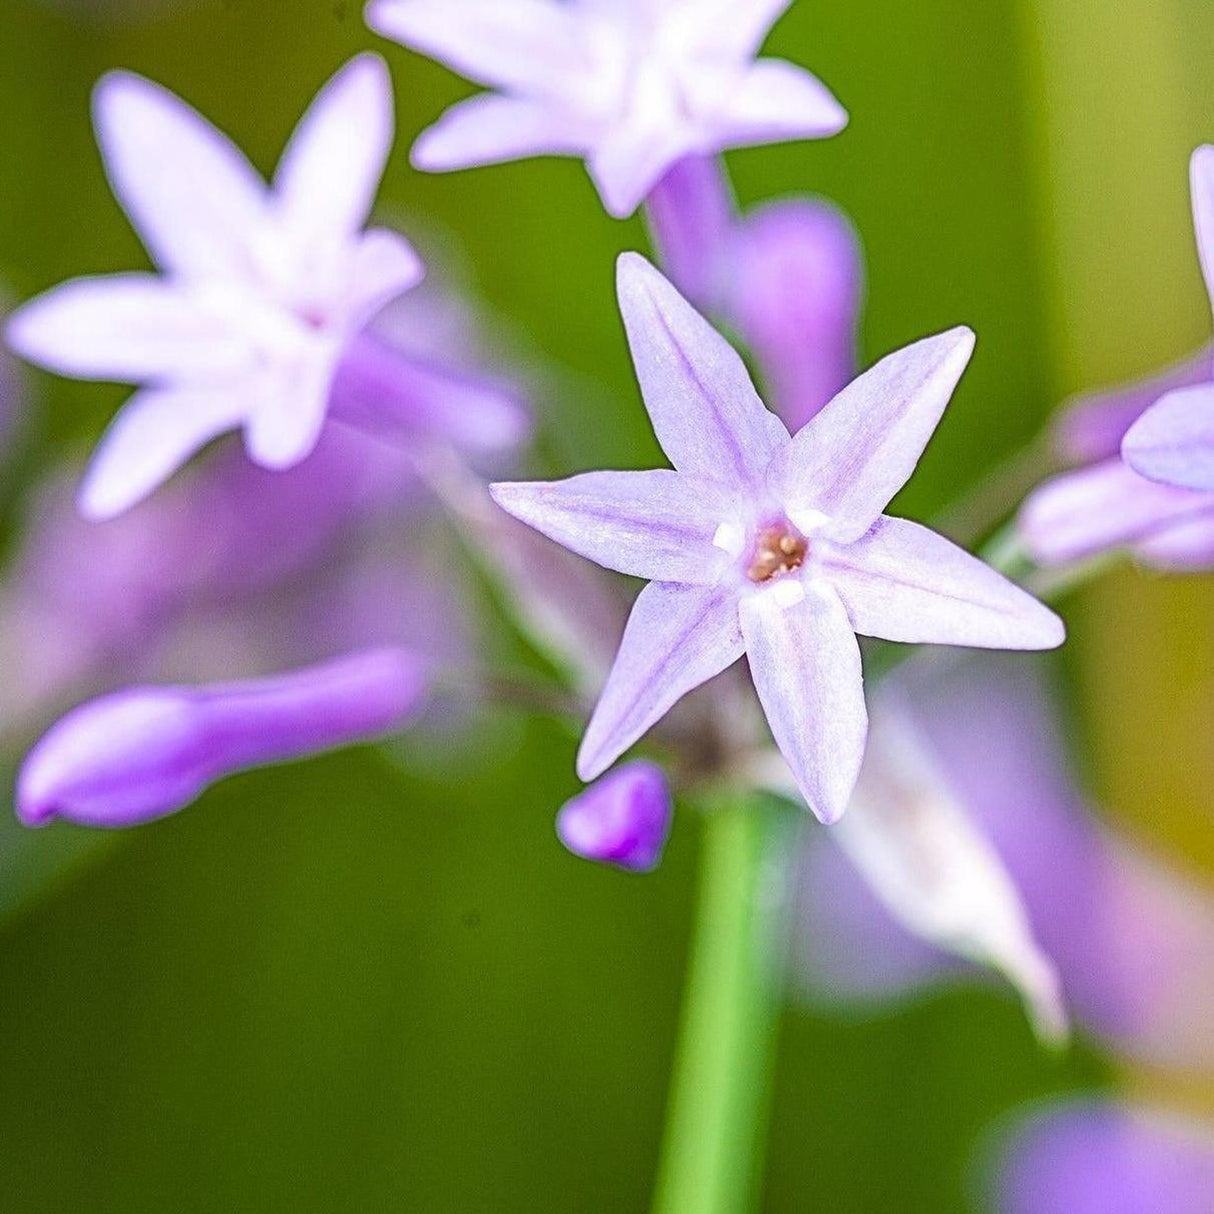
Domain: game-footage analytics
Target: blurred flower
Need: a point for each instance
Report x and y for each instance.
(622, 819)
(796, 287)
(927, 862)
(1159, 503)
(631, 85)
(261, 289)
(1132, 942)
(771, 546)
(1093, 1157)
(146, 752)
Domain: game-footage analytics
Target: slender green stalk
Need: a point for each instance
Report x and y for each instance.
(716, 1123)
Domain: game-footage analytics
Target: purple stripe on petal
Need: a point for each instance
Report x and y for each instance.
(677, 637)
(140, 754)
(704, 407)
(622, 819)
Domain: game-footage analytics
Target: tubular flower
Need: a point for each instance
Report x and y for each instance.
(776, 547)
(261, 288)
(142, 753)
(632, 86)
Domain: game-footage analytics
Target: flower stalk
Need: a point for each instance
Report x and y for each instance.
(721, 1090)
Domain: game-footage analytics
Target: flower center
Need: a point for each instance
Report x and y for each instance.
(778, 550)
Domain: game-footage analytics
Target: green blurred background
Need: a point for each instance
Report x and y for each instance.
(335, 987)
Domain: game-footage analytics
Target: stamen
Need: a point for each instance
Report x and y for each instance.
(778, 551)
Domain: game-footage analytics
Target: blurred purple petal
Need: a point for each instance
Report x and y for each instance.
(1103, 508)
(146, 752)
(1173, 441)
(621, 819)
(797, 285)
(1100, 1158)
(1091, 427)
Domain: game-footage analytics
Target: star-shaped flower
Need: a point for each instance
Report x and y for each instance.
(632, 86)
(772, 546)
(260, 287)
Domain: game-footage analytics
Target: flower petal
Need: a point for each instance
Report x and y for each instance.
(797, 284)
(191, 194)
(1186, 547)
(704, 407)
(903, 582)
(284, 425)
(330, 172)
(124, 327)
(1201, 177)
(775, 101)
(1091, 426)
(851, 459)
(735, 28)
(383, 266)
(531, 46)
(628, 163)
(656, 525)
(806, 668)
(154, 433)
(1173, 441)
(677, 638)
(491, 129)
(1100, 509)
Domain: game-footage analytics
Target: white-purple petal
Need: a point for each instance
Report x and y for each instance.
(382, 266)
(805, 663)
(704, 407)
(851, 459)
(777, 101)
(328, 176)
(525, 46)
(128, 328)
(152, 436)
(195, 200)
(491, 128)
(903, 582)
(1173, 441)
(622, 819)
(657, 525)
(1201, 177)
(140, 754)
(677, 637)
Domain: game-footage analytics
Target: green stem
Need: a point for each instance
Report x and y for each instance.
(717, 1117)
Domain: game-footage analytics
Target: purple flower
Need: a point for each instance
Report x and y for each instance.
(771, 546)
(632, 86)
(623, 819)
(1093, 1157)
(146, 752)
(260, 291)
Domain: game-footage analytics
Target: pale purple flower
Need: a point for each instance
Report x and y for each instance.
(772, 546)
(633, 86)
(146, 752)
(622, 819)
(1096, 1157)
(260, 290)
(1132, 940)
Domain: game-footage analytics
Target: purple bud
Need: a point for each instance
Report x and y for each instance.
(622, 819)
(145, 752)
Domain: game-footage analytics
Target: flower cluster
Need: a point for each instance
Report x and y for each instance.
(362, 396)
